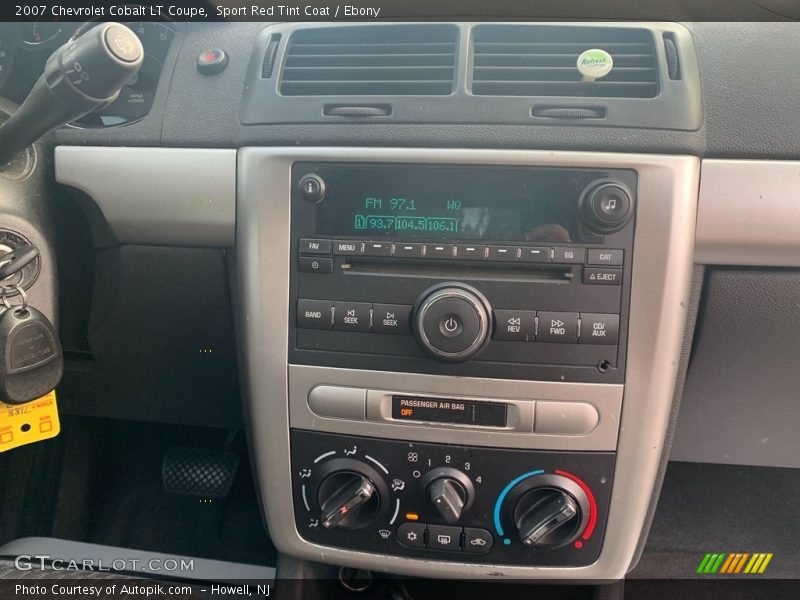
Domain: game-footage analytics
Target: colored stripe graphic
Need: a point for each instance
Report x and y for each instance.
(734, 563)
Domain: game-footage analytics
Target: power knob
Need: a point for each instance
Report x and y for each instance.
(452, 321)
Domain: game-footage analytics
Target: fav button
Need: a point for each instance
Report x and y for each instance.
(477, 540)
(558, 327)
(412, 535)
(351, 316)
(391, 318)
(444, 537)
(309, 246)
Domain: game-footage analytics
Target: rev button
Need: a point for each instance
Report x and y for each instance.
(514, 325)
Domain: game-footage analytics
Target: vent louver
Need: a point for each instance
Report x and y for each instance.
(395, 60)
(533, 60)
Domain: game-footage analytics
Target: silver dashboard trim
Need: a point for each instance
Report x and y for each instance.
(749, 213)
(606, 399)
(662, 268)
(164, 196)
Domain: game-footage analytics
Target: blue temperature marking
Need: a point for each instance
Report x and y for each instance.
(503, 495)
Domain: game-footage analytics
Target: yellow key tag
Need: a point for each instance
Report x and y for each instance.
(34, 421)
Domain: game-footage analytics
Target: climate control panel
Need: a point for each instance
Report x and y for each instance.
(450, 503)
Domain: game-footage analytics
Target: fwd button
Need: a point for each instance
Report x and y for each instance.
(558, 327)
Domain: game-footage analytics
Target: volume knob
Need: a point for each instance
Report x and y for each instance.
(452, 321)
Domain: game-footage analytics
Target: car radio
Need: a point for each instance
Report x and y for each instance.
(499, 271)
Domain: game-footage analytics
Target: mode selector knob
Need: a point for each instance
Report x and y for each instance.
(452, 321)
(347, 499)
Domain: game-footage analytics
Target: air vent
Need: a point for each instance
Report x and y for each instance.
(540, 60)
(396, 60)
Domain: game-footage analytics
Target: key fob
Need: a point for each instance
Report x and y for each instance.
(31, 359)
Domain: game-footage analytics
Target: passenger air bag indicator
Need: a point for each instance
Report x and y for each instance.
(452, 411)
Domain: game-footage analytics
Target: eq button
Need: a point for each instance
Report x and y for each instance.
(569, 255)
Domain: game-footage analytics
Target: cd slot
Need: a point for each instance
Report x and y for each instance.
(448, 270)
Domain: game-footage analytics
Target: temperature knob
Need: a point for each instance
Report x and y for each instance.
(551, 513)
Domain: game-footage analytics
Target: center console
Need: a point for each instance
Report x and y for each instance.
(461, 362)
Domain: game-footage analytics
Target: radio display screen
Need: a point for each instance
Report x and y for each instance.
(448, 202)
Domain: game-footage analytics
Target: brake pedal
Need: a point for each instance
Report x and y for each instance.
(194, 472)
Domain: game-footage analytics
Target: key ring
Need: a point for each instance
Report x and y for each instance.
(20, 308)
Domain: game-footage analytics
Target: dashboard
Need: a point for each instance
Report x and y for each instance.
(457, 285)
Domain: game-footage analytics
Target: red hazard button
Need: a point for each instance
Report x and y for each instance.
(212, 61)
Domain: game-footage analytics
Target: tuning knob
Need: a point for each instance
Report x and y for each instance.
(606, 206)
(347, 499)
(452, 321)
(449, 492)
(552, 513)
